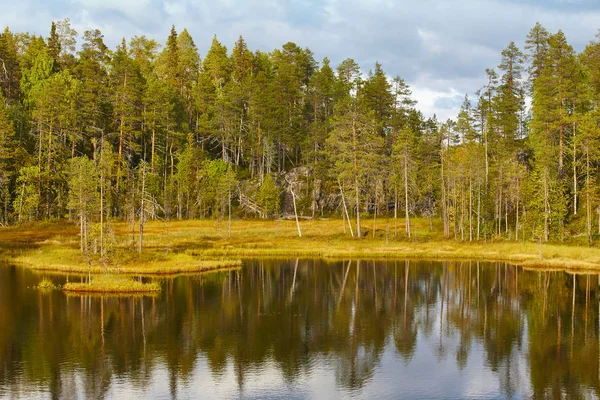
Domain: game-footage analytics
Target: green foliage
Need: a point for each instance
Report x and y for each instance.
(269, 197)
(189, 136)
(26, 203)
(212, 175)
(83, 181)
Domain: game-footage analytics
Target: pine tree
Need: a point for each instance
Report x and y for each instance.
(189, 69)
(7, 152)
(537, 46)
(127, 86)
(10, 68)
(216, 68)
(322, 87)
(404, 167)
(170, 68)
(268, 197)
(54, 46)
(83, 196)
(354, 144)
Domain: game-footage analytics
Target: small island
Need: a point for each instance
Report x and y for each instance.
(111, 285)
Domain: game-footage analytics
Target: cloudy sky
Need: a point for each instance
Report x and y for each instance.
(440, 47)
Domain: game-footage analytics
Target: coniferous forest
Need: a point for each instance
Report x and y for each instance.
(152, 131)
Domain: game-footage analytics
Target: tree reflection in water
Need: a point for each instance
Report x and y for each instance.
(356, 322)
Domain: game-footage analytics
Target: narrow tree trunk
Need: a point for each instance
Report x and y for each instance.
(153, 140)
(295, 212)
(478, 209)
(517, 215)
(546, 205)
(81, 247)
(40, 141)
(229, 217)
(356, 187)
(315, 149)
(102, 198)
(561, 149)
(375, 212)
(142, 209)
(500, 206)
(406, 213)
(470, 208)
(588, 200)
(444, 201)
(506, 216)
(345, 209)
(575, 194)
(395, 208)
(455, 208)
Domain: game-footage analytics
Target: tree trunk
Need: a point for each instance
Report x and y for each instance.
(356, 188)
(470, 208)
(478, 209)
(406, 213)
(315, 149)
(375, 212)
(588, 202)
(142, 209)
(229, 211)
(153, 140)
(517, 215)
(546, 204)
(574, 171)
(395, 208)
(295, 212)
(102, 197)
(345, 208)
(444, 201)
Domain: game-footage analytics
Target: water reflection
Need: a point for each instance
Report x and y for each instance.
(306, 328)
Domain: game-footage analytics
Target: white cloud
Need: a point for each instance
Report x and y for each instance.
(430, 40)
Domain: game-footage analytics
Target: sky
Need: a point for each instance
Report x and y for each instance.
(440, 47)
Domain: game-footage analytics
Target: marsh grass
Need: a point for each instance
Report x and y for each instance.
(46, 285)
(63, 258)
(111, 284)
(179, 247)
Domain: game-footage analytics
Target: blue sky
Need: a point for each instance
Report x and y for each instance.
(440, 47)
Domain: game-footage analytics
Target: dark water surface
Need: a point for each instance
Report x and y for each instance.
(309, 329)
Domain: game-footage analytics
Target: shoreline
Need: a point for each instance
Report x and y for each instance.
(197, 246)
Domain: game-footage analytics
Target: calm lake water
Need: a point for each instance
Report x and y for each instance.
(309, 329)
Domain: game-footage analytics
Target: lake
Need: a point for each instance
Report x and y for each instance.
(280, 329)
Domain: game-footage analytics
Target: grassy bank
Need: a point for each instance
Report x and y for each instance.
(57, 257)
(54, 247)
(195, 246)
(112, 284)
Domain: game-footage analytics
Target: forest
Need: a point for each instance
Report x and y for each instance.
(146, 132)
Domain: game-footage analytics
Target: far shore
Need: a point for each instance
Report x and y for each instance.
(196, 246)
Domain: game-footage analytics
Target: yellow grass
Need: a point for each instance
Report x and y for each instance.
(111, 284)
(64, 258)
(199, 245)
(46, 284)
